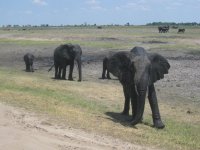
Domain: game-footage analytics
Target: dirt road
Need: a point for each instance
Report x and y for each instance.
(20, 129)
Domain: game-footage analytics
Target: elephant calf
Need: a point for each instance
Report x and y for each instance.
(137, 71)
(28, 59)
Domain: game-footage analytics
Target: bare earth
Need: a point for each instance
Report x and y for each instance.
(24, 130)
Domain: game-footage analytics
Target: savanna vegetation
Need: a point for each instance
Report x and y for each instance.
(94, 105)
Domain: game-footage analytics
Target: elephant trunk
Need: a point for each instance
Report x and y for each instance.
(140, 90)
(79, 69)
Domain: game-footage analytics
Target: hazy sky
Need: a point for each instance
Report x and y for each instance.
(56, 12)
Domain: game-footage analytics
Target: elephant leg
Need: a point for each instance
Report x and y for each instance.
(56, 71)
(31, 68)
(134, 103)
(103, 74)
(154, 107)
(26, 67)
(59, 72)
(104, 71)
(108, 75)
(134, 97)
(64, 73)
(71, 71)
(127, 100)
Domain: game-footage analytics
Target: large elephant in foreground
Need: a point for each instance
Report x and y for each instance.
(138, 71)
(65, 55)
(28, 59)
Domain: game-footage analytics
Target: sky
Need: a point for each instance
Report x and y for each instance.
(71, 12)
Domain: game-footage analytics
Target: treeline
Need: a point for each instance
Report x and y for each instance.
(47, 25)
(173, 24)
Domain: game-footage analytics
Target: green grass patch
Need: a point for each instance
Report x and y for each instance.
(115, 37)
(87, 43)
(26, 42)
(46, 93)
(176, 135)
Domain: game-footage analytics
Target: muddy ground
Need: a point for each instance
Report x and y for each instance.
(183, 77)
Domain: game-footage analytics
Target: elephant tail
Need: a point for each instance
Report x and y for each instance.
(51, 67)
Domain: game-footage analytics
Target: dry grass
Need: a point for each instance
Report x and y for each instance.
(80, 106)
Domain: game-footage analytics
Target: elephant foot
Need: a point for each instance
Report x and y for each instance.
(79, 80)
(126, 113)
(57, 77)
(109, 78)
(158, 124)
(62, 78)
(71, 79)
(131, 120)
(103, 77)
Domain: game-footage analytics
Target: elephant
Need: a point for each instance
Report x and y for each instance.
(65, 55)
(163, 29)
(181, 30)
(105, 72)
(137, 71)
(28, 59)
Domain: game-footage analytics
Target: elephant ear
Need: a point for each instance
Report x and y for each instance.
(159, 67)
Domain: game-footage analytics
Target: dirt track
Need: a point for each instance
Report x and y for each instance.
(23, 130)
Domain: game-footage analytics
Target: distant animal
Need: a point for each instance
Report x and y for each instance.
(181, 30)
(65, 55)
(137, 71)
(174, 27)
(99, 27)
(29, 59)
(163, 29)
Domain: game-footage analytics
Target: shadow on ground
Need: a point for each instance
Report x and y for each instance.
(119, 118)
(123, 119)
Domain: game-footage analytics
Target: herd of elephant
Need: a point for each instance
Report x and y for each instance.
(136, 70)
(165, 29)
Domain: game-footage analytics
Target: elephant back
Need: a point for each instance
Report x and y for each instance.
(119, 63)
(64, 52)
(28, 57)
